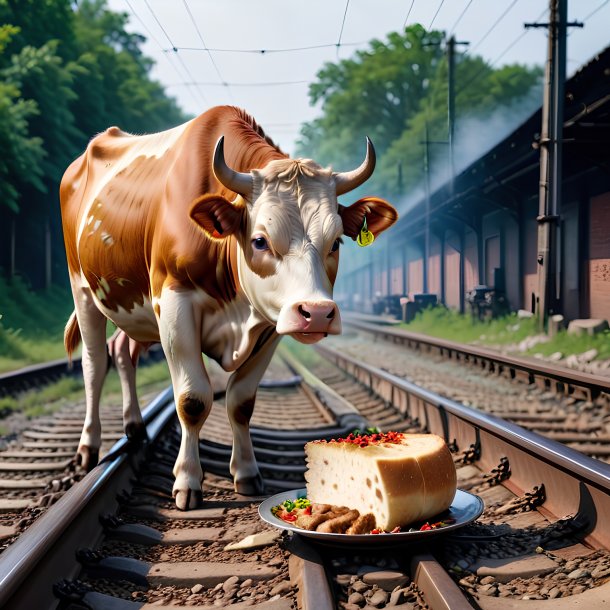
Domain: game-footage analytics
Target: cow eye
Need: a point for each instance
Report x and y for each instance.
(336, 245)
(260, 243)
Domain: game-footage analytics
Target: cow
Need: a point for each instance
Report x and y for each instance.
(209, 239)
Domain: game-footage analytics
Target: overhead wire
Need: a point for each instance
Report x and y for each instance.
(268, 51)
(499, 57)
(404, 25)
(237, 84)
(460, 17)
(601, 6)
(222, 80)
(436, 14)
(342, 26)
(156, 41)
(179, 57)
(494, 25)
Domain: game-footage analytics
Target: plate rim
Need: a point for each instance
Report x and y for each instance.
(265, 506)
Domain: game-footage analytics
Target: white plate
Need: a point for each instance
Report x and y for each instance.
(464, 509)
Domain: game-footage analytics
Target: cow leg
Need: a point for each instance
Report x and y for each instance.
(118, 346)
(241, 394)
(92, 325)
(181, 341)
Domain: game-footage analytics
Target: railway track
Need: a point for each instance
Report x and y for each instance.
(541, 540)
(562, 404)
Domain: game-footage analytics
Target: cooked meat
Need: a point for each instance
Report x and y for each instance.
(311, 522)
(338, 525)
(362, 525)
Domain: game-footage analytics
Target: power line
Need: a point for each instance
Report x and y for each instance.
(342, 26)
(152, 37)
(601, 6)
(499, 57)
(182, 62)
(460, 17)
(222, 80)
(267, 51)
(435, 14)
(495, 24)
(251, 84)
(404, 25)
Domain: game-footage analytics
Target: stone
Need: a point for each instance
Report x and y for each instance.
(555, 324)
(197, 588)
(397, 597)
(282, 588)
(254, 541)
(505, 570)
(387, 580)
(555, 356)
(359, 586)
(356, 599)
(487, 580)
(378, 598)
(524, 314)
(578, 573)
(588, 356)
(590, 326)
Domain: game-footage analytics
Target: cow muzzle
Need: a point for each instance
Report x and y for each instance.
(309, 321)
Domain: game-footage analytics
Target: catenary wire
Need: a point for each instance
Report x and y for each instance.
(494, 25)
(156, 41)
(436, 14)
(404, 25)
(182, 62)
(457, 21)
(222, 80)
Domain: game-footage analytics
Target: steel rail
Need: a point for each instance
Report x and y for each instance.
(563, 470)
(55, 536)
(595, 384)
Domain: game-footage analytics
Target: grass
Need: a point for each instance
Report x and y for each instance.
(31, 324)
(454, 326)
(69, 390)
(508, 330)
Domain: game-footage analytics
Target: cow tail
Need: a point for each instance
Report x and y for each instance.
(71, 335)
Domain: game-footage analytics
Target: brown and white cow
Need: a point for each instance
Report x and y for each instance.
(209, 239)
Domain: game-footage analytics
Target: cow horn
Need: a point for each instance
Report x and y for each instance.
(238, 182)
(348, 181)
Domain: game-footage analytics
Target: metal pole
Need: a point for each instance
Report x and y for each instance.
(451, 109)
(550, 163)
(427, 229)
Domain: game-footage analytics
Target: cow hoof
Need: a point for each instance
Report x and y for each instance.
(136, 432)
(188, 499)
(86, 457)
(252, 486)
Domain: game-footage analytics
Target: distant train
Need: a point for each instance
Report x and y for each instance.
(483, 232)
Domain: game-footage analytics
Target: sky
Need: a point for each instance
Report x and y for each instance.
(273, 86)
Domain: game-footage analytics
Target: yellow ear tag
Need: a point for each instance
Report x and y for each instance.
(365, 237)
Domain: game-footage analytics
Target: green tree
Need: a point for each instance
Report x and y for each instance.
(394, 92)
(67, 71)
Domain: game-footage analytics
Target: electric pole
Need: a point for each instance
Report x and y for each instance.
(549, 206)
(451, 105)
(427, 219)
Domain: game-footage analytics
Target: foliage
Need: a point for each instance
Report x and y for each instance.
(67, 71)
(454, 326)
(394, 92)
(505, 331)
(31, 324)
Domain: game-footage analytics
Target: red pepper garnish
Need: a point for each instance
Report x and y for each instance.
(307, 511)
(375, 531)
(425, 527)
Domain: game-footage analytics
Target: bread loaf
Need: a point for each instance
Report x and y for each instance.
(400, 478)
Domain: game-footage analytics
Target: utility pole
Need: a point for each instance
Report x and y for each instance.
(451, 105)
(549, 206)
(427, 223)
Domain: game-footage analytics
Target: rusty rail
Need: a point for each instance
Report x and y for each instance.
(574, 484)
(558, 378)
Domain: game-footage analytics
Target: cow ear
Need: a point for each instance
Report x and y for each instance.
(217, 216)
(380, 215)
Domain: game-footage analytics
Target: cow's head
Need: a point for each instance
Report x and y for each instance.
(288, 225)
